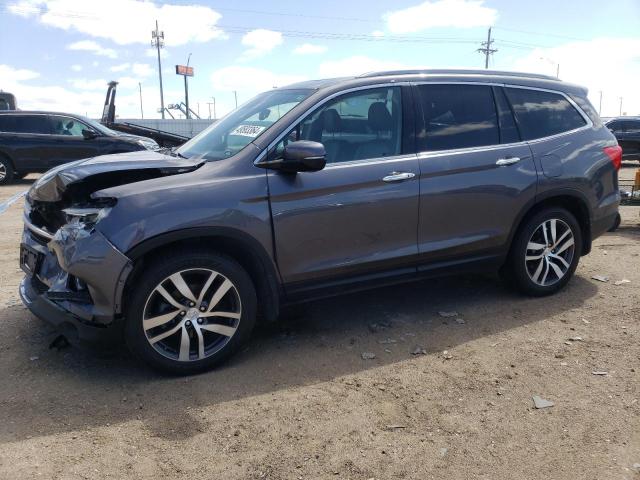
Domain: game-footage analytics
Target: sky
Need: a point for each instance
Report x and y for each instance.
(59, 54)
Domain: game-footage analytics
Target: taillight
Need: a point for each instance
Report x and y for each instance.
(615, 154)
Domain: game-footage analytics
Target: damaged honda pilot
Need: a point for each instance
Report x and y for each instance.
(313, 190)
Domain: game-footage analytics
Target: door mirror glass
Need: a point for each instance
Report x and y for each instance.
(88, 134)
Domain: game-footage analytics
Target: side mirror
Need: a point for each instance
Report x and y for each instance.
(88, 134)
(300, 156)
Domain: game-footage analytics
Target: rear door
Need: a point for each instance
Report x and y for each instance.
(26, 139)
(476, 175)
(359, 214)
(67, 142)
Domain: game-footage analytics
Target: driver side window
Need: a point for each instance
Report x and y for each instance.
(68, 126)
(366, 124)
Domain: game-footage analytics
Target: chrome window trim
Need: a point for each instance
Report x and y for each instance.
(434, 153)
(372, 161)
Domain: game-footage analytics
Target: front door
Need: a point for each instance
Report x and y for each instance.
(359, 214)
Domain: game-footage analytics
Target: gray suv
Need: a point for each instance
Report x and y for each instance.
(316, 189)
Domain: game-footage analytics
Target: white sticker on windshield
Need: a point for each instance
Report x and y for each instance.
(247, 130)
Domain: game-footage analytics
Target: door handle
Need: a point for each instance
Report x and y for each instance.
(398, 176)
(503, 162)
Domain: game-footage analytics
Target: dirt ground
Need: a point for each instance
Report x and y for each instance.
(300, 402)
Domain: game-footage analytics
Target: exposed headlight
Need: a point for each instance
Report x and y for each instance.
(149, 144)
(86, 217)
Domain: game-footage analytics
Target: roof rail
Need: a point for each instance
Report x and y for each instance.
(450, 71)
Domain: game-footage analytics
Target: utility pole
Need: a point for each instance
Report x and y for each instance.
(486, 49)
(214, 108)
(140, 90)
(558, 72)
(600, 104)
(157, 40)
(620, 105)
(235, 94)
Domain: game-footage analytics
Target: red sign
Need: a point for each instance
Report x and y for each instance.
(184, 70)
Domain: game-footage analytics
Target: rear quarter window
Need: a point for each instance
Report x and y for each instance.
(543, 114)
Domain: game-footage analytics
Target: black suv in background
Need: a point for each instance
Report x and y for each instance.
(315, 189)
(627, 131)
(37, 141)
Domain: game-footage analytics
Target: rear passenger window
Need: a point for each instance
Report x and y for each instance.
(24, 124)
(457, 116)
(542, 114)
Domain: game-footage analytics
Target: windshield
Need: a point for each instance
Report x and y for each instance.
(235, 131)
(99, 127)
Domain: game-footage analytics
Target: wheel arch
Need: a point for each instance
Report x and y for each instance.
(6, 156)
(572, 200)
(241, 247)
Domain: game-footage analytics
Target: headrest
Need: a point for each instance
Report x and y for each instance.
(331, 120)
(379, 117)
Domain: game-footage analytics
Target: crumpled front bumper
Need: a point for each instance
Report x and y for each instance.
(78, 281)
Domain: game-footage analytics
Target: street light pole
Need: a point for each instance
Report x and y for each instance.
(600, 104)
(140, 90)
(235, 94)
(186, 90)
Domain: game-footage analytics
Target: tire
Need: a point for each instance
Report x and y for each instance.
(6, 171)
(616, 223)
(205, 348)
(532, 267)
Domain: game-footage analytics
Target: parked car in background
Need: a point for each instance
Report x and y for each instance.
(38, 141)
(627, 131)
(317, 189)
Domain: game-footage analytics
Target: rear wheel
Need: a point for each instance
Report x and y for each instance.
(6, 171)
(545, 252)
(190, 312)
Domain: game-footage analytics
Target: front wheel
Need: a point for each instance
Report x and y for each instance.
(545, 252)
(190, 312)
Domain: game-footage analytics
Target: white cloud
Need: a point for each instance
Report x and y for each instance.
(356, 65)
(10, 76)
(76, 68)
(120, 68)
(84, 84)
(128, 82)
(441, 13)
(93, 47)
(142, 69)
(591, 63)
(125, 21)
(250, 80)
(309, 49)
(377, 33)
(260, 42)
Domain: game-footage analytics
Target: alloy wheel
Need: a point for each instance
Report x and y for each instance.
(550, 252)
(3, 171)
(192, 314)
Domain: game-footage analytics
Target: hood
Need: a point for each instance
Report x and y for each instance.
(133, 138)
(76, 181)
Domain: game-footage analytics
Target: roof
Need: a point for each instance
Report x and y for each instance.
(38, 112)
(534, 80)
